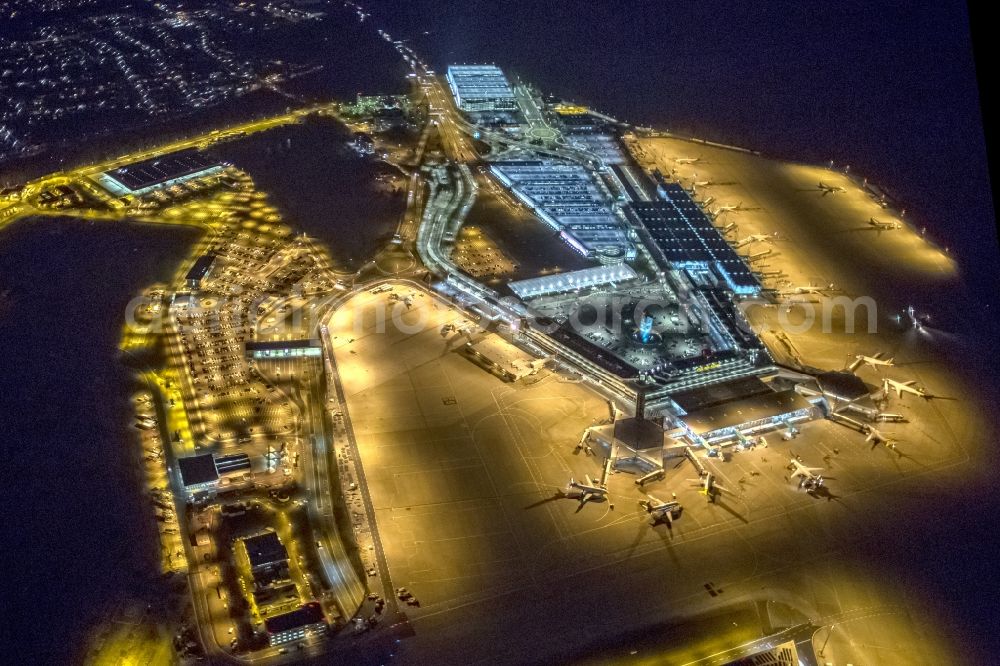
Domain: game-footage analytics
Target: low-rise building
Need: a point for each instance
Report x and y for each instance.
(295, 625)
(199, 271)
(202, 475)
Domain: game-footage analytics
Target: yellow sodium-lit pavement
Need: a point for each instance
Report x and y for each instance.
(820, 234)
(462, 469)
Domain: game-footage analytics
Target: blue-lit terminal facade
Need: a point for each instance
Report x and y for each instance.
(574, 280)
(481, 88)
(687, 239)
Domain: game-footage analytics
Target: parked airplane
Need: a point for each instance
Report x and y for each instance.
(753, 238)
(735, 209)
(902, 387)
(660, 511)
(585, 492)
(871, 361)
(709, 487)
(882, 226)
(808, 290)
(876, 436)
(830, 189)
(809, 478)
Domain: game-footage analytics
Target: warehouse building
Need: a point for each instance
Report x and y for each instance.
(158, 173)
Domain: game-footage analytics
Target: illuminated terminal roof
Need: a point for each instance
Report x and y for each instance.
(581, 279)
(599, 356)
(689, 240)
(481, 88)
(752, 411)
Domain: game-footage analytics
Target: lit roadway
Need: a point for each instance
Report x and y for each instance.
(25, 203)
(456, 130)
(318, 459)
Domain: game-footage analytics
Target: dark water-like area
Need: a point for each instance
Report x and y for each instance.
(77, 537)
(321, 186)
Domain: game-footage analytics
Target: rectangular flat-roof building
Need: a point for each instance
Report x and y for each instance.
(296, 624)
(203, 474)
(198, 474)
(755, 412)
(688, 240)
(264, 550)
(199, 270)
(481, 88)
(284, 349)
(157, 172)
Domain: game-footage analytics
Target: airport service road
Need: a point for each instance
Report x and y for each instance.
(462, 470)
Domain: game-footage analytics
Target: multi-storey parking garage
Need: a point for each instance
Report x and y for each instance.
(570, 199)
(481, 88)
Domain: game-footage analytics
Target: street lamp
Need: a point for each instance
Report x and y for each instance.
(829, 633)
